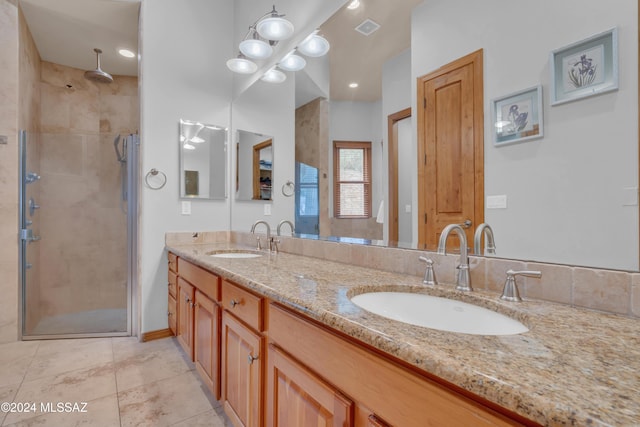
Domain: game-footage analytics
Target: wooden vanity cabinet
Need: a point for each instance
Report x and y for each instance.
(242, 356)
(206, 350)
(198, 329)
(184, 333)
(296, 396)
(172, 309)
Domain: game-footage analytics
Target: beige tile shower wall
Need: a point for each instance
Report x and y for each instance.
(609, 291)
(312, 148)
(9, 171)
(29, 120)
(83, 216)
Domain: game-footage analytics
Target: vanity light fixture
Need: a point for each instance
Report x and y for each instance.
(273, 26)
(292, 62)
(259, 41)
(314, 45)
(242, 65)
(255, 47)
(274, 76)
(189, 147)
(353, 85)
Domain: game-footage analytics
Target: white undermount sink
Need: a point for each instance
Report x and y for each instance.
(438, 313)
(235, 254)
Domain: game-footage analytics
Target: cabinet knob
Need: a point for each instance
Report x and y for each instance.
(234, 303)
(251, 358)
(187, 299)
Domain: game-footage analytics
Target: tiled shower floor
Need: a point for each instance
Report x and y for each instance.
(122, 381)
(84, 322)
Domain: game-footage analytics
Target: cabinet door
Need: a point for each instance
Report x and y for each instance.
(206, 342)
(172, 314)
(242, 351)
(185, 316)
(297, 397)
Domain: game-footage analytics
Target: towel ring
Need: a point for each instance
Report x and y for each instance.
(288, 189)
(152, 173)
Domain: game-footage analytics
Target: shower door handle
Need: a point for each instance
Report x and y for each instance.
(26, 234)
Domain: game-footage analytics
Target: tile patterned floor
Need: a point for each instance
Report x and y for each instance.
(122, 381)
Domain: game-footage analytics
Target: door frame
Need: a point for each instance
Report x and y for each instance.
(475, 59)
(392, 127)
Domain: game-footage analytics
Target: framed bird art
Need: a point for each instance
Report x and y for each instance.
(517, 117)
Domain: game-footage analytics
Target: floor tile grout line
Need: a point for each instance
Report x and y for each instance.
(115, 377)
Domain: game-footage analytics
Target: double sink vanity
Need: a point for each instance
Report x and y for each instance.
(286, 339)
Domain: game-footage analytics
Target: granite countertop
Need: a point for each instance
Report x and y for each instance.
(573, 366)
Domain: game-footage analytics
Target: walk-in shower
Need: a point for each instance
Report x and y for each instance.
(77, 235)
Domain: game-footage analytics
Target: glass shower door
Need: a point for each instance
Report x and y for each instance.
(77, 228)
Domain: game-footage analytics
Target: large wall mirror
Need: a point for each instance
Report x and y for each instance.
(254, 166)
(203, 160)
(559, 200)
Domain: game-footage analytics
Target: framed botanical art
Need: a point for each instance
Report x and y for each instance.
(517, 117)
(586, 68)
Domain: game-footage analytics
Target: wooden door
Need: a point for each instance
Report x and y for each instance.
(241, 372)
(451, 149)
(185, 316)
(297, 397)
(206, 342)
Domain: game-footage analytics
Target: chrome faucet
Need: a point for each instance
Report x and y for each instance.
(253, 230)
(285, 221)
(489, 243)
(462, 280)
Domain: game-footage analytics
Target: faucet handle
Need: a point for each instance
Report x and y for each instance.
(273, 244)
(429, 273)
(258, 244)
(510, 291)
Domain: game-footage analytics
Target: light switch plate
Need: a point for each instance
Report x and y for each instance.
(267, 209)
(497, 202)
(186, 207)
(630, 196)
(407, 208)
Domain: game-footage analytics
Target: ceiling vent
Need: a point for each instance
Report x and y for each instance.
(367, 27)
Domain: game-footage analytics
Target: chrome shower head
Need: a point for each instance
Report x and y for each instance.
(98, 75)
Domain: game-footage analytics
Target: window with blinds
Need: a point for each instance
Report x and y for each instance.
(352, 179)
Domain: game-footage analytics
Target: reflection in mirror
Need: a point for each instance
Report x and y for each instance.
(553, 217)
(254, 166)
(202, 160)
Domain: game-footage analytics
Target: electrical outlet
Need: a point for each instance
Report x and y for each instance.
(267, 209)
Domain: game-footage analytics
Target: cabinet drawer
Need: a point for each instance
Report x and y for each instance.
(243, 304)
(207, 282)
(173, 262)
(173, 283)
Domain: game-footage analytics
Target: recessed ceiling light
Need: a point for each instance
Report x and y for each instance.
(126, 53)
(354, 4)
(353, 85)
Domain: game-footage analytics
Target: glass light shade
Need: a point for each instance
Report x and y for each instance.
(189, 147)
(292, 62)
(256, 49)
(242, 66)
(275, 28)
(196, 140)
(314, 46)
(274, 76)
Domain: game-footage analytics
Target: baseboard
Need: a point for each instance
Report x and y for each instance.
(156, 335)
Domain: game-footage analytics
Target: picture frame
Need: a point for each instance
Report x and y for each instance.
(585, 68)
(518, 117)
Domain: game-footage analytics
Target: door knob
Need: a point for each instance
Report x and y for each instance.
(466, 224)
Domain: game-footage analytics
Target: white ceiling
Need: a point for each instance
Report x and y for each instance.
(357, 58)
(67, 31)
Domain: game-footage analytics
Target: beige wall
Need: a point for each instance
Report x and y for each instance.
(9, 171)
